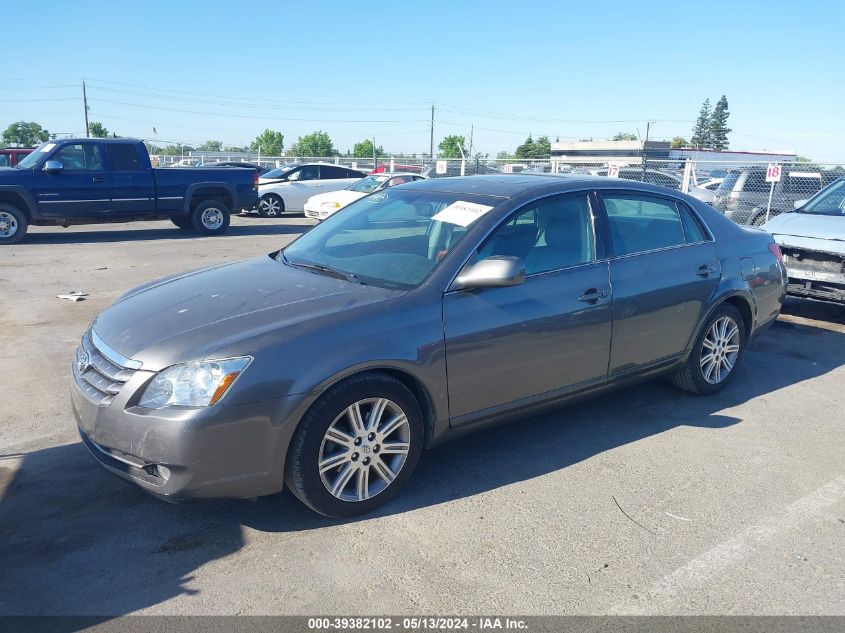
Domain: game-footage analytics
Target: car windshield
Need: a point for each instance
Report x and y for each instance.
(393, 238)
(831, 201)
(29, 161)
(278, 172)
(368, 184)
(728, 183)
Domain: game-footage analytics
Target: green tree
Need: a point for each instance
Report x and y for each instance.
(211, 146)
(25, 134)
(678, 141)
(526, 150)
(503, 154)
(624, 136)
(701, 132)
(542, 147)
(451, 146)
(269, 142)
(97, 130)
(177, 150)
(364, 149)
(317, 143)
(719, 129)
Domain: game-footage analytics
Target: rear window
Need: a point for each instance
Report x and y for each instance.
(755, 182)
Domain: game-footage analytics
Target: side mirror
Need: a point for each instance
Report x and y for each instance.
(800, 203)
(53, 166)
(493, 272)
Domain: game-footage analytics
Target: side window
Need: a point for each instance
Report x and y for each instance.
(551, 234)
(4, 160)
(124, 157)
(309, 172)
(80, 157)
(755, 182)
(693, 231)
(639, 222)
(331, 173)
(353, 174)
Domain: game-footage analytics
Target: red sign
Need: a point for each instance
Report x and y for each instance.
(773, 173)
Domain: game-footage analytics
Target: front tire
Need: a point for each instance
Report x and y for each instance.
(185, 223)
(13, 224)
(716, 353)
(211, 217)
(356, 447)
(271, 205)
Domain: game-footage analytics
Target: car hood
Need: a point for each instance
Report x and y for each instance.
(198, 314)
(344, 197)
(806, 230)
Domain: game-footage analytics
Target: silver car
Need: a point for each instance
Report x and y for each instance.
(410, 316)
(812, 238)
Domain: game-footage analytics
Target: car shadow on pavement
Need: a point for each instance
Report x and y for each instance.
(165, 232)
(76, 540)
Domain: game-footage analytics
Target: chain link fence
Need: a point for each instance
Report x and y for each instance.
(740, 190)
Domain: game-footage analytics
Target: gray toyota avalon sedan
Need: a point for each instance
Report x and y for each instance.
(412, 315)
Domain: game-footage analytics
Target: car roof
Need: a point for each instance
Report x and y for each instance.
(510, 185)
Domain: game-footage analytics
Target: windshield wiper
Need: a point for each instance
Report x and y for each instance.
(323, 270)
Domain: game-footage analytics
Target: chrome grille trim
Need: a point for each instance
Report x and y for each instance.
(105, 372)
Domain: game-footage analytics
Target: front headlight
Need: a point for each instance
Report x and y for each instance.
(196, 384)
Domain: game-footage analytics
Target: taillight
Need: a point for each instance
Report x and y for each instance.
(255, 180)
(775, 250)
(732, 197)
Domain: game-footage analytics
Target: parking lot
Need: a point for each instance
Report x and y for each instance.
(646, 501)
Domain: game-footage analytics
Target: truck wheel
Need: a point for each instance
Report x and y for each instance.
(271, 206)
(13, 224)
(183, 222)
(210, 217)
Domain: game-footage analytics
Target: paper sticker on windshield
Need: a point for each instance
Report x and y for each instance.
(461, 213)
(48, 147)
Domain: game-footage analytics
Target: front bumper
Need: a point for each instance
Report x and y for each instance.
(315, 213)
(182, 453)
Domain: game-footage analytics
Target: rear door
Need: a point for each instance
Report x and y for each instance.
(302, 183)
(80, 189)
(663, 270)
(131, 184)
(334, 178)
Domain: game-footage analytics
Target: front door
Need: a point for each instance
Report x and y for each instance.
(544, 337)
(80, 189)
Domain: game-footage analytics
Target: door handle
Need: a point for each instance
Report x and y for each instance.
(593, 295)
(705, 270)
(98, 179)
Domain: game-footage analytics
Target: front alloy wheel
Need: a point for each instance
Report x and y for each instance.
(356, 447)
(270, 206)
(364, 449)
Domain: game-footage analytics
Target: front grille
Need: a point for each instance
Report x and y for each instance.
(814, 260)
(99, 378)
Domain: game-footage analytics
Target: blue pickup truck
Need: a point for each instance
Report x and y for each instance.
(90, 181)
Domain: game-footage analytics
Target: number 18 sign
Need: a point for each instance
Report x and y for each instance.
(773, 173)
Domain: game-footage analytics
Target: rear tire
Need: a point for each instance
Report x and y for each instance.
(717, 351)
(210, 217)
(368, 461)
(271, 205)
(13, 224)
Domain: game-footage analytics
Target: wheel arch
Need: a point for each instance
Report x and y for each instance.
(200, 192)
(19, 199)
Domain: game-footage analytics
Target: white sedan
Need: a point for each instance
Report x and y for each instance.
(291, 188)
(321, 206)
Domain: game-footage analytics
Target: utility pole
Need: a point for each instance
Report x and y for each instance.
(645, 146)
(85, 105)
(431, 149)
(375, 156)
(471, 130)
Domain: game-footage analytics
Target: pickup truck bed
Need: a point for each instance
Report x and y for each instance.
(91, 181)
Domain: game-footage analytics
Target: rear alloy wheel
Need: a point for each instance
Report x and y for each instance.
(271, 206)
(356, 447)
(718, 349)
(13, 224)
(210, 217)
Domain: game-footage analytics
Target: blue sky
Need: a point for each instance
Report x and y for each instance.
(227, 70)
